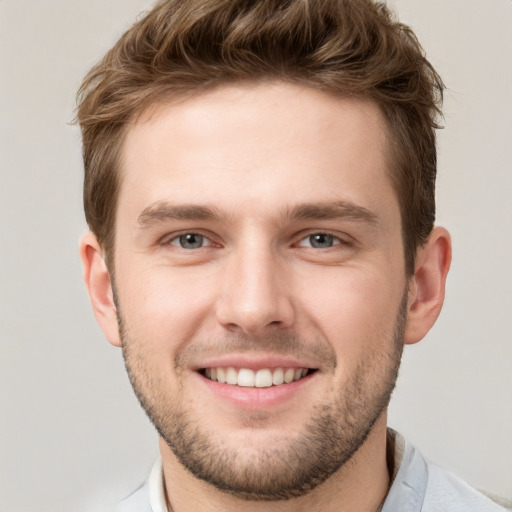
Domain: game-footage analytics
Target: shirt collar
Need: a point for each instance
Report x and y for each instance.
(409, 481)
(157, 488)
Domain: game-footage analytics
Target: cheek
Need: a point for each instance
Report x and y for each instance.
(165, 306)
(354, 310)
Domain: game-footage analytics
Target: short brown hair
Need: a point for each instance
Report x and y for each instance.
(344, 47)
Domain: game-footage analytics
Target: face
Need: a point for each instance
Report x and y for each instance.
(260, 282)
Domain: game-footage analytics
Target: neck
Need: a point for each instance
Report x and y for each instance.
(361, 484)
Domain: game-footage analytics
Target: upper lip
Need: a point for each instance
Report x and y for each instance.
(253, 362)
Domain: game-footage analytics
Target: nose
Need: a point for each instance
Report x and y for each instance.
(256, 295)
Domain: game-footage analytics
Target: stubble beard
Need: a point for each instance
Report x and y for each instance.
(336, 431)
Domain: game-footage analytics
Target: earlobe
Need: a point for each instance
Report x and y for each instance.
(99, 286)
(427, 285)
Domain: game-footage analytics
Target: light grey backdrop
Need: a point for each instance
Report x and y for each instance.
(70, 430)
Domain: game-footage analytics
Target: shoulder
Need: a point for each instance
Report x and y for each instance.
(137, 501)
(149, 497)
(444, 487)
(421, 486)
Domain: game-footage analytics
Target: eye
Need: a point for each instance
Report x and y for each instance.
(320, 241)
(191, 241)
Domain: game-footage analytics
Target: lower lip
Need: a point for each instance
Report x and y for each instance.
(257, 398)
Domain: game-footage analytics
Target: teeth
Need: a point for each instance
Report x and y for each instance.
(231, 376)
(246, 378)
(263, 378)
(289, 375)
(278, 377)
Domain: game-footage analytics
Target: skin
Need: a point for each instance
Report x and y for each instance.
(255, 155)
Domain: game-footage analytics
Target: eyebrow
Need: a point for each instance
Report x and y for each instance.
(332, 211)
(162, 211)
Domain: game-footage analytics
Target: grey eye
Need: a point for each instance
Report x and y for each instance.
(321, 240)
(191, 241)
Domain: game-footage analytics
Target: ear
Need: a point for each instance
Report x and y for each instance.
(427, 285)
(99, 286)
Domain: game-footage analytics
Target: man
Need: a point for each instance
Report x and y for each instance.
(259, 184)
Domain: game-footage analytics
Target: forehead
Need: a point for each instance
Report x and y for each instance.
(253, 146)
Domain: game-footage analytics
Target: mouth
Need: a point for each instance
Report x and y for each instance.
(261, 378)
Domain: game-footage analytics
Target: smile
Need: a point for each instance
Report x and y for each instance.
(262, 378)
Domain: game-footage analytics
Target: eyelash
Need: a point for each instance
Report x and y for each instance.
(336, 238)
(175, 240)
